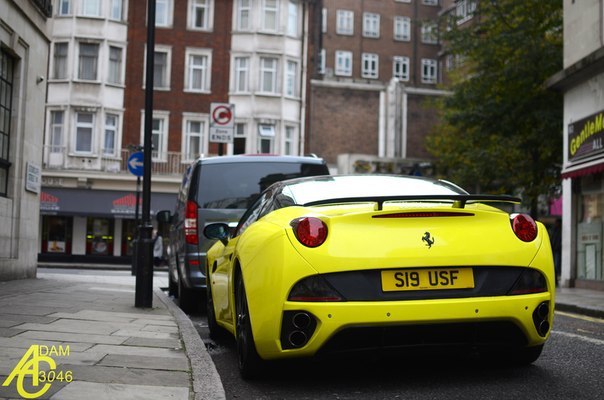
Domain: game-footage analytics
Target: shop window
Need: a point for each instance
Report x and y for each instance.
(129, 232)
(99, 236)
(57, 234)
(590, 232)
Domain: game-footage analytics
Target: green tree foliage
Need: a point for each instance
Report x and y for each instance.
(501, 127)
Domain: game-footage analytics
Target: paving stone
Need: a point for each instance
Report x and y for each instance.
(157, 328)
(136, 351)
(91, 315)
(74, 337)
(27, 310)
(130, 376)
(10, 391)
(149, 342)
(7, 320)
(10, 332)
(73, 326)
(160, 363)
(25, 343)
(145, 334)
(110, 391)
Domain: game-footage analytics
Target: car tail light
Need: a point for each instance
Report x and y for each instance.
(530, 281)
(524, 227)
(314, 288)
(191, 236)
(310, 231)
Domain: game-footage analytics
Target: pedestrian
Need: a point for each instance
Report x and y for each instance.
(556, 239)
(158, 249)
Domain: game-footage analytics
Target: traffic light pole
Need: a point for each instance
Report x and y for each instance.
(143, 297)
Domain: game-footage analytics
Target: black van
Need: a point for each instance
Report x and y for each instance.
(219, 189)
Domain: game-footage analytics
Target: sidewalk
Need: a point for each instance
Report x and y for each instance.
(89, 326)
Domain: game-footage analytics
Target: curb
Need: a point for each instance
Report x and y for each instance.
(590, 312)
(207, 384)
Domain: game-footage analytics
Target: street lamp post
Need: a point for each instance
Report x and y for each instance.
(143, 297)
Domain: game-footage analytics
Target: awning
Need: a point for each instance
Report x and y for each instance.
(99, 203)
(577, 171)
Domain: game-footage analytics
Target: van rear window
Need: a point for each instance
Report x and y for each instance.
(237, 185)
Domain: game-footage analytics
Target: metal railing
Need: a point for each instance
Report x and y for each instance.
(59, 158)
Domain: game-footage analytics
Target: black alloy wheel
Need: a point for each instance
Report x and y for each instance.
(250, 363)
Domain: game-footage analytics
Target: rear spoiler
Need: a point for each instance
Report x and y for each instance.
(459, 200)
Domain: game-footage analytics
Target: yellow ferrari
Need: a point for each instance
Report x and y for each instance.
(337, 264)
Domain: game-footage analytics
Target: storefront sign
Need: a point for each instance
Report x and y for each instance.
(586, 137)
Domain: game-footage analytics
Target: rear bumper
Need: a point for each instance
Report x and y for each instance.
(505, 320)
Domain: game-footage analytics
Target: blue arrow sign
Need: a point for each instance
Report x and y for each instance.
(136, 163)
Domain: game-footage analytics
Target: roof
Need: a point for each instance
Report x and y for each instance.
(261, 158)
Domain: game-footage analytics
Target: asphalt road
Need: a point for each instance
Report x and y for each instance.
(570, 367)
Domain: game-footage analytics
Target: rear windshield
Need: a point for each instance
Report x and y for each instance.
(237, 185)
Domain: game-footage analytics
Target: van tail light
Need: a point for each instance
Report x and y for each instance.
(191, 236)
(524, 226)
(310, 231)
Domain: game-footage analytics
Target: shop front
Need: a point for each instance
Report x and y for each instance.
(583, 179)
(92, 226)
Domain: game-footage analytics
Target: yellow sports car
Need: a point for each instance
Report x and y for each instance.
(349, 263)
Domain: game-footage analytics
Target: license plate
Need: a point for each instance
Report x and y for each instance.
(427, 279)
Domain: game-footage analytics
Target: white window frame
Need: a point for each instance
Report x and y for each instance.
(429, 33)
(321, 63)
(188, 154)
(241, 74)
(96, 62)
(429, 71)
(61, 11)
(265, 70)
(270, 10)
(240, 132)
(464, 10)
(371, 25)
(291, 78)
(60, 66)
(57, 131)
(324, 20)
(293, 19)
(370, 65)
(205, 70)
(159, 154)
(207, 23)
(345, 22)
(289, 140)
(117, 10)
(266, 134)
(343, 63)
(86, 6)
(164, 13)
(244, 13)
(115, 68)
(402, 28)
(168, 70)
(400, 68)
(113, 131)
(87, 126)
(430, 2)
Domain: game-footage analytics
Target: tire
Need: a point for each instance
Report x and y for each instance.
(527, 355)
(186, 297)
(172, 286)
(217, 333)
(250, 363)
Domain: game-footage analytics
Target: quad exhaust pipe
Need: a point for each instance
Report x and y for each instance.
(297, 329)
(541, 318)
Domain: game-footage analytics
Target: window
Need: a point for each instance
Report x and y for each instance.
(321, 63)
(110, 139)
(59, 65)
(88, 61)
(84, 132)
(288, 141)
(464, 10)
(117, 9)
(200, 14)
(343, 63)
(163, 13)
(291, 79)
(400, 68)
(429, 33)
(324, 20)
(428, 71)
(198, 72)
(7, 68)
(239, 141)
(266, 136)
(57, 127)
(345, 22)
(161, 75)
(430, 2)
(193, 146)
(64, 7)
(244, 12)
(159, 137)
(90, 8)
(268, 75)
(241, 74)
(115, 65)
(292, 18)
(270, 15)
(402, 28)
(370, 65)
(371, 25)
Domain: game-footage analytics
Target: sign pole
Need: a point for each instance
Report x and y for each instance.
(143, 297)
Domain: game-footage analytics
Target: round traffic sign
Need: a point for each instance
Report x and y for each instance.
(222, 115)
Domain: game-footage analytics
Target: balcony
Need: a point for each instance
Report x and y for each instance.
(58, 158)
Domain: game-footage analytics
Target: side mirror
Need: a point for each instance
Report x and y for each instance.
(164, 216)
(218, 231)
